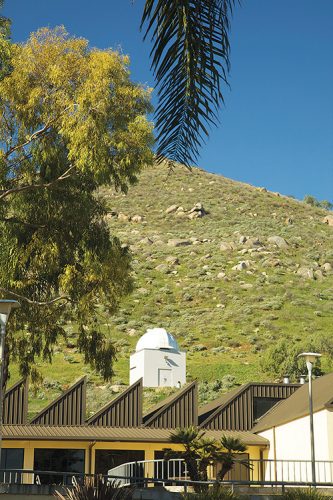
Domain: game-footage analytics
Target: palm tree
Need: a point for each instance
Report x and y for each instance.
(200, 452)
(230, 448)
(190, 60)
(189, 438)
(205, 450)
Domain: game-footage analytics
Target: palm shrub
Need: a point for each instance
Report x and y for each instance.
(305, 494)
(227, 453)
(100, 489)
(214, 493)
(200, 452)
(190, 438)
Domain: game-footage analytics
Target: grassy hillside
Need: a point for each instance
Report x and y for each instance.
(219, 282)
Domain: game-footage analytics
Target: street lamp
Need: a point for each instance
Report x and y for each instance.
(310, 358)
(5, 308)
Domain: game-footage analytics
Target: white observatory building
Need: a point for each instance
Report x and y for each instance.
(158, 360)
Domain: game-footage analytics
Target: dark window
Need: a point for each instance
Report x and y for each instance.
(108, 459)
(262, 405)
(11, 459)
(58, 460)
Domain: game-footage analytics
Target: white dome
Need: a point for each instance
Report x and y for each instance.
(157, 338)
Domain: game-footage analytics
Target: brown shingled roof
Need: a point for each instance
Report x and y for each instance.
(110, 434)
(297, 405)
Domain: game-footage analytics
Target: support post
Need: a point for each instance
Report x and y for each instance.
(2, 356)
(313, 457)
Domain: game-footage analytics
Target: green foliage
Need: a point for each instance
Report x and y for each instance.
(189, 74)
(227, 454)
(305, 494)
(222, 315)
(213, 493)
(282, 359)
(98, 489)
(211, 390)
(200, 452)
(5, 45)
(71, 121)
(311, 200)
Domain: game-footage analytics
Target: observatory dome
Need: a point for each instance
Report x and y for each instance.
(157, 338)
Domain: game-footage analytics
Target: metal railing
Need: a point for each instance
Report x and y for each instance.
(162, 470)
(174, 472)
(291, 470)
(252, 471)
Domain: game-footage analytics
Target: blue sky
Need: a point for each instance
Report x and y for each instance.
(277, 123)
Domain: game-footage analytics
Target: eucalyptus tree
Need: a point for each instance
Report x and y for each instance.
(71, 121)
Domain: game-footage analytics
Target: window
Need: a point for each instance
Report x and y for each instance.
(11, 459)
(107, 459)
(262, 405)
(58, 460)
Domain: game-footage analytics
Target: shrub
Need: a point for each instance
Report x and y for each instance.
(304, 494)
(214, 493)
(98, 490)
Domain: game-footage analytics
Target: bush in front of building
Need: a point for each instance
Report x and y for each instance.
(96, 489)
(213, 493)
(305, 494)
(200, 452)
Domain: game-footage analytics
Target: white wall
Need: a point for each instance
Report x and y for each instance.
(158, 367)
(292, 442)
(330, 433)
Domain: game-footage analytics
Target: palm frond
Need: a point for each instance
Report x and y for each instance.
(232, 444)
(190, 60)
(186, 436)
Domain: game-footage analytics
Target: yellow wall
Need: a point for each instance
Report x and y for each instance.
(148, 447)
(29, 446)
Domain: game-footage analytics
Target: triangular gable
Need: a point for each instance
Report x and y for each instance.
(15, 404)
(67, 409)
(179, 410)
(123, 411)
(236, 410)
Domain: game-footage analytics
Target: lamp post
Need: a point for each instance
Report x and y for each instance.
(310, 358)
(5, 308)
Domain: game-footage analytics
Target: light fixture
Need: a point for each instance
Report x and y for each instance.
(310, 358)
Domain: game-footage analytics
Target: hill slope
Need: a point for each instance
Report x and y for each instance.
(186, 279)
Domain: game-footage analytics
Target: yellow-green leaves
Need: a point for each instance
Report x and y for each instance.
(71, 121)
(57, 86)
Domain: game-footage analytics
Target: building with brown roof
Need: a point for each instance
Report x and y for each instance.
(287, 427)
(60, 438)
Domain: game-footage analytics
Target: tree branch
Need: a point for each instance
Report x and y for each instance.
(35, 302)
(38, 133)
(18, 189)
(15, 220)
(33, 136)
